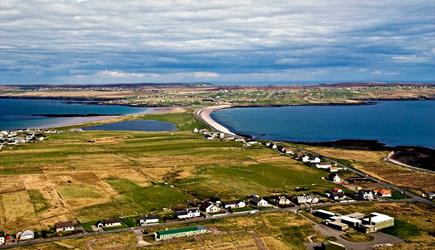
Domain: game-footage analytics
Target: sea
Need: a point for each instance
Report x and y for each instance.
(394, 123)
(30, 113)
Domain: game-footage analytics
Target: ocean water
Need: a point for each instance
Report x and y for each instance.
(19, 113)
(135, 125)
(405, 123)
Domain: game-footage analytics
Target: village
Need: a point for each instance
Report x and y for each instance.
(349, 188)
(22, 136)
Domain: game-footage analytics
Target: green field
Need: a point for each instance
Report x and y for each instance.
(101, 174)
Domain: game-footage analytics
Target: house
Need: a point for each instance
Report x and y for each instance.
(323, 165)
(188, 213)
(258, 202)
(307, 199)
(179, 233)
(376, 221)
(335, 178)
(336, 194)
(151, 219)
(308, 159)
(26, 235)
(2, 240)
(64, 226)
(234, 204)
(383, 192)
(113, 222)
(365, 195)
(283, 201)
(209, 207)
(333, 169)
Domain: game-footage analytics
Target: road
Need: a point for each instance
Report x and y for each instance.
(293, 209)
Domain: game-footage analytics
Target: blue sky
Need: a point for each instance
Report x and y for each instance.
(242, 41)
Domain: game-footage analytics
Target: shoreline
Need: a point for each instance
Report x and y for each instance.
(83, 120)
(204, 115)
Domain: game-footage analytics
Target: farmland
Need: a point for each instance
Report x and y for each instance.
(95, 175)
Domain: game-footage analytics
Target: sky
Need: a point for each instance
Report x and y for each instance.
(227, 42)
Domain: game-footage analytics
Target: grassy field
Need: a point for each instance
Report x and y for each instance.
(100, 174)
(372, 162)
(273, 231)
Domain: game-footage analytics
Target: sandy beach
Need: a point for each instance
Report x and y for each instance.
(77, 121)
(204, 115)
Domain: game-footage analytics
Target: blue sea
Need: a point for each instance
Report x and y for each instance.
(20, 113)
(404, 123)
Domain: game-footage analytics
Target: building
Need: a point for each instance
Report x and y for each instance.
(308, 159)
(258, 202)
(64, 226)
(323, 214)
(335, 178)
(376, 221)
(383, 192)
(2, 240)
(365, 195)
(306, 199)
(324, 165)
(337, 225)
(113, 222)
(283, 201)
(209, 207)
(234, 204)
(179, 233)
(149, 220)
(26, 235)
(188, 213)
(353, 222)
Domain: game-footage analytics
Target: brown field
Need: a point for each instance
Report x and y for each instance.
(372, 162)
(270, 231)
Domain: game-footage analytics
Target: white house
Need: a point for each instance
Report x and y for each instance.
(258, 202)
(334, 178)
(209, 207)
(2, 240)
(234, 204)
(282, 200)
(113, 222)
(323, 165)
(307, 199)
(188, 213)
(306, 158)
(64, 226)
(149, 220)
(365, 195)
(27, 235)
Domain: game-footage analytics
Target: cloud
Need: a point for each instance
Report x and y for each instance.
(118, 74)
(48, 41)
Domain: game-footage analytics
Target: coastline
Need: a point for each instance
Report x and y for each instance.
(83, 120)
(419, 164)
(204, 115)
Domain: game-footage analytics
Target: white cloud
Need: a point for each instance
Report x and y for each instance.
(410, 59)
(119, 74)
(205, 74)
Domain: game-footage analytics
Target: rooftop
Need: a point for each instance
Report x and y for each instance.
(181, 230)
